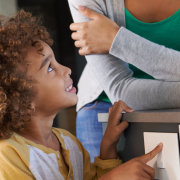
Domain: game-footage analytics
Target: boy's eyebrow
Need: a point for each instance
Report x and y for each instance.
(45, 61)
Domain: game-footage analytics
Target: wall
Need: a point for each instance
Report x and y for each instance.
(8, 7)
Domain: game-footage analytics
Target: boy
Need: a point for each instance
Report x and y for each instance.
(34, 87)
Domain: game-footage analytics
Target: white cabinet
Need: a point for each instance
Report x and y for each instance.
(166, 163)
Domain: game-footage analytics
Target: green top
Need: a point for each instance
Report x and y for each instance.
(165, 32)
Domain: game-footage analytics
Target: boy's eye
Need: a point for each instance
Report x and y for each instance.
(50, 68)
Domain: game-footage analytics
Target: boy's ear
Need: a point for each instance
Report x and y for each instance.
(33, 107)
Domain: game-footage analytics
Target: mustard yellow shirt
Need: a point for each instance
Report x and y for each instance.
(23, 159)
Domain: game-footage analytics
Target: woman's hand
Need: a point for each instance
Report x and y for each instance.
(135, 169)
(96, 36)
(114, 130)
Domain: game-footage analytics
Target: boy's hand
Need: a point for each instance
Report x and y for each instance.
(134, 169)
(96, 36)
(114, 130)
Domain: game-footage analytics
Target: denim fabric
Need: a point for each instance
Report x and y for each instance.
(88, 129)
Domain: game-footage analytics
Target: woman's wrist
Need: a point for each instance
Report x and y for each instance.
(116, 29)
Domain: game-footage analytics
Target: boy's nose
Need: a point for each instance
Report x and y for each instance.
(67, 72)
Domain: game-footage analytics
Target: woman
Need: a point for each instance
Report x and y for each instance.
(107, 76)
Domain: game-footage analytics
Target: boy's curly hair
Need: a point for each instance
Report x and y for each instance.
(16, 90)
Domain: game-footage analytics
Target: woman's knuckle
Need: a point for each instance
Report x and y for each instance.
(80, 52)
(84, 27)
(91, 50)
(88, 49)
(83, 36)
(86, 43)
(75, 43)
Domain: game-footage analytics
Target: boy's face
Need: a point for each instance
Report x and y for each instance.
(54, 90)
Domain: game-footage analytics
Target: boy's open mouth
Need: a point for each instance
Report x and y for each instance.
(71, 89)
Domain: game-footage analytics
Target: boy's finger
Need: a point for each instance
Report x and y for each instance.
(122, 126)
(123, 106)
(116, 114)
(144, 178)
(120, 106)
(150, 171)
(128, 109)
(88, 12)
(110, 110)
(147, 157)
(146, 175)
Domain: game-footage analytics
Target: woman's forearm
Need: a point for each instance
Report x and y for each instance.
(140, 94)
(160, 62)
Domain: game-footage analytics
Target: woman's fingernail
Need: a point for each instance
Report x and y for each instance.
(81, 7)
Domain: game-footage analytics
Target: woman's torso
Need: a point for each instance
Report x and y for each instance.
(157, 21)
(152, 11)
(163, 31)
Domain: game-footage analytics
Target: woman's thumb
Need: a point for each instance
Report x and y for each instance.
(88, 12)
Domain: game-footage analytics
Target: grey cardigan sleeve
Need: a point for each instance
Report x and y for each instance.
(116, 79)
(160, 62)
